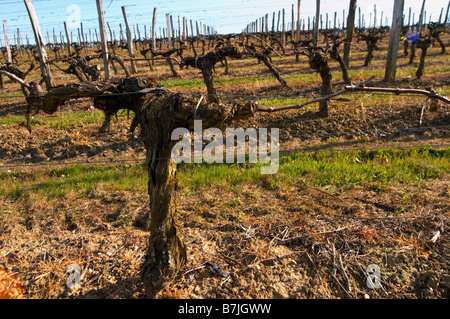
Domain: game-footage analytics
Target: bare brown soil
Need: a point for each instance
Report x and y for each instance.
(261, 242)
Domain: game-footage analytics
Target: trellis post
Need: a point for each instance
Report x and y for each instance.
(129, 39)
(45, 69)
(67, 36)
(8, 48)
(350, 28)
(101, 23)
(154, 30)
(298, 20)
(169, 39)
(316, 23)
(391, 61)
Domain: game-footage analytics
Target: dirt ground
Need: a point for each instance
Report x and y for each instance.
(302, 242)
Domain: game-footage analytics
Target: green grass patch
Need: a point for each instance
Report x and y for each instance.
(12, 119)
(343, 169)
(12, 94)
(66, 120)
(81, 179)
(347, 169)
(181, 83)
(370, 169)
(279, 102)
(59, 121)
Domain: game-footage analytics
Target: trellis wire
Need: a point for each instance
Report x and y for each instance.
(238, 96)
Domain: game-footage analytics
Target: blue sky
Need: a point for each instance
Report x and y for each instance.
(225, 16)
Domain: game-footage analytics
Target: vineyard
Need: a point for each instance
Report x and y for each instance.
(363, 175)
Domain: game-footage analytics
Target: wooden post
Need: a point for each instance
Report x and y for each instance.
(129, 40)
(172, 34)
(134, 37)
(298, 21)
(138, 32)
(283, 35)
(83, 38)
(350, 28)
(409, 18)
(391, 61)
(446, 14)
(110, 34)
(316, 23)
(278, 21)
(273, 22)
(343, 19)
(267, 24)
(179, 29)
(101, 23)
(419, 28)
(113, 38)
(154, 30)
(292, 23)
(374, 15)
(121, 33)
(8, 49)
(359, 19)
(96, 38)
(19, 44)
(67, 36)
(169, 39)
(45, 69)
(335, 21)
